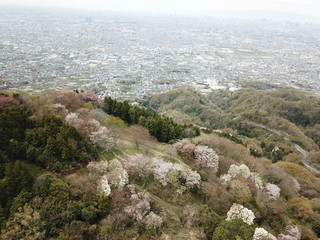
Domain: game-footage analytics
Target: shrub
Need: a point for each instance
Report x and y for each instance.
(300, 208)
(231, 230)
(90, 214)
(295, 170)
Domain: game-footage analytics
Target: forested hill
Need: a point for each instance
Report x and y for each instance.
(186, 105)
(74, 166)
(285, 109)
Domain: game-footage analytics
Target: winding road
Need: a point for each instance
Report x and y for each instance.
(296, 146)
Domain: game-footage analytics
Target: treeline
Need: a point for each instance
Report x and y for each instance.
(48, 142)
(48, 207)
(161, 127)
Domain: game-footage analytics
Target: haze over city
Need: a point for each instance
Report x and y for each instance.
(301, 7)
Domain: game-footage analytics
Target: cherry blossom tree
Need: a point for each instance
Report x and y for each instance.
(139, 205)
(140, 209)
(117, 175)
(262, 234)
(153, 220)
(164, 172)
(69, 98)
(206, 157)
(273, 191)
(188, 150)
(104, 138)
(192, 179)
(98, 167)
(138, 165)
(242, 171)
(91, 97)
(86, 126)
(103, 186)
(74, 120)
(238, 211)
(60, 109)
(291, 233)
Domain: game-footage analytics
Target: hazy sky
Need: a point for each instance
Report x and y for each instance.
(306, 7)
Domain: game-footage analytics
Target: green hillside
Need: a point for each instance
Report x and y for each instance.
(74, 166)
(188, 106)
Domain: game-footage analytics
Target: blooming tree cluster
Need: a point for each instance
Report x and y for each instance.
(91, 128)
(161, 170)
(238, 211)
(188, 150)
(292, 233)
(91, 97)
(273, 191)
(103, 186)
(109, 175)
(86, 127)
(140, 209)
(204, 156)
(117, 175)
(164, 172)
(262, 234)
(98, 167)
(103, 138)
(138, 165)
(153, 220)
(73, 119)
(60, 109)
(242, 171)
(192, 179)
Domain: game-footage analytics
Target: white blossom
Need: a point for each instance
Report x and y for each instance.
(117, 175)
(179, 145)
(103, 138)
(262, 234)
(59, 106)
(206, 157)
(256, 179)
(103, 186)
(162, 168)
(139, 207)
(73, 119)
(153, 220)
(164, 172)
(98, 167)
(138, 165)
(242, 171)
(192, 179)
(273, 191)
(238, 211)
